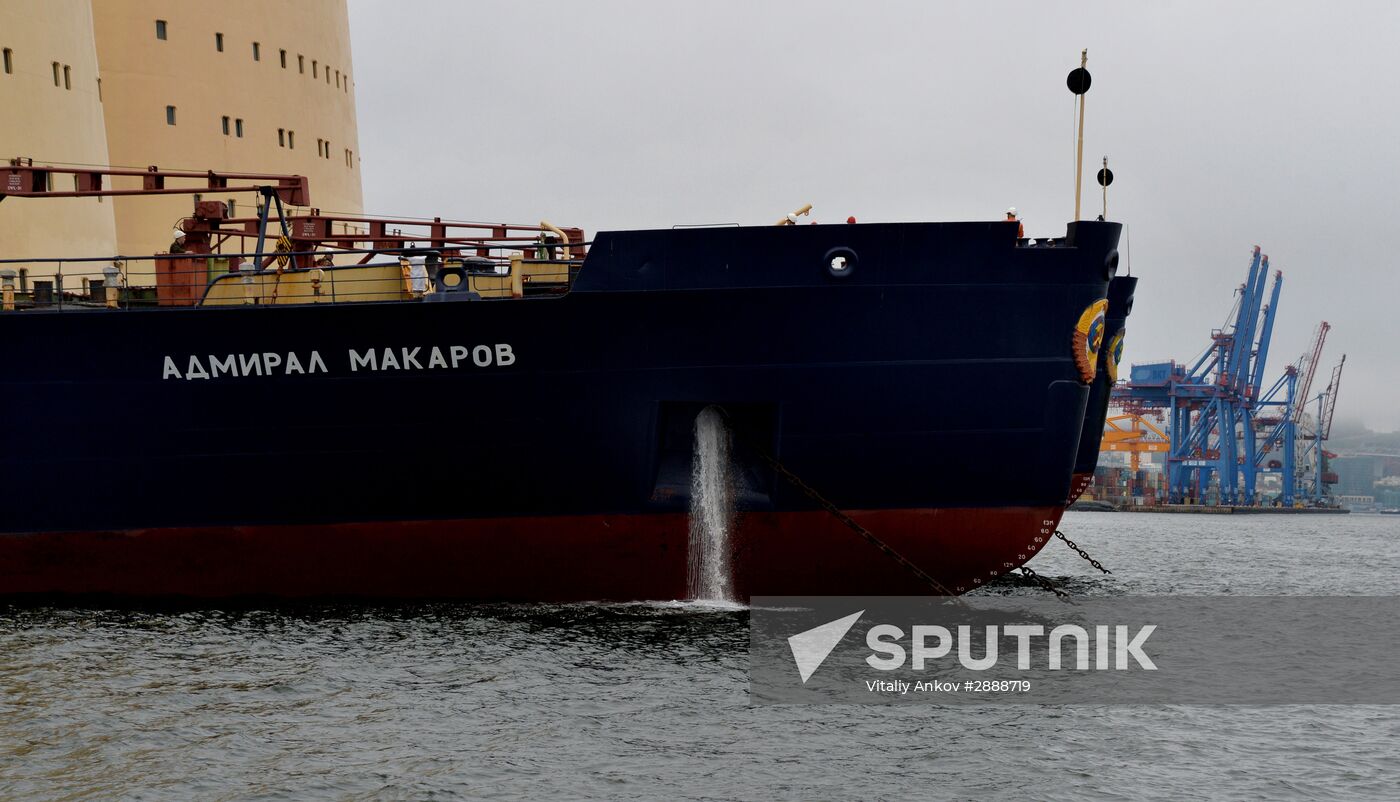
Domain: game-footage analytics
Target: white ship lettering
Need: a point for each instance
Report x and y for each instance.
(197, 367)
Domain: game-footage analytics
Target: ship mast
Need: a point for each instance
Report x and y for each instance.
(1078, 81)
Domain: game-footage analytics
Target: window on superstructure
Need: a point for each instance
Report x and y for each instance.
(55, 73)
(328, 148)
(301, 63)
(281, 137)
(282, 54)
(99, 100)
(238, 127)
(232, 207)
(219, 42)
(314, 67)
(291, 140)
(160, 29)
(337, 79)
(67, 77)
(9, 61)
(225, 126)
(169, 115)
(320, 146)
(257, 52)
(328, 76)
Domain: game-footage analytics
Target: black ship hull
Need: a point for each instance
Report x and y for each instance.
(540, 448)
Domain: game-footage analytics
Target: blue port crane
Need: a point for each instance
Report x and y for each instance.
(1223, 425)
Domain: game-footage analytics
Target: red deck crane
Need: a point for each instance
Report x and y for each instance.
(304, 238)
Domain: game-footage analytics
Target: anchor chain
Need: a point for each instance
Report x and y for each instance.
(811, 493)
(1081, 552)
(1045, 583)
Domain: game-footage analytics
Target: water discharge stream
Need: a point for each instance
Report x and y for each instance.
(711, 577)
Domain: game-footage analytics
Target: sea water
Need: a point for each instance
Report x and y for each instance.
(650, 701)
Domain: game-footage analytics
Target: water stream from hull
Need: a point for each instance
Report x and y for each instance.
(710, 563)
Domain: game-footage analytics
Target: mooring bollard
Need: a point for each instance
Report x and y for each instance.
(250, 290)
(517, 276)
(7, 277)
(112, 275)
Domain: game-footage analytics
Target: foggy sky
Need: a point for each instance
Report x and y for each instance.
(1226, 125)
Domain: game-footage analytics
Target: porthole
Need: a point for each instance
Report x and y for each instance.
(841, 262)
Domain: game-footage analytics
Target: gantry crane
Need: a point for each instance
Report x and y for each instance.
(1325, 425)
(1210, 402)
(1223, 424)
(1313, 476)
(1307, 366)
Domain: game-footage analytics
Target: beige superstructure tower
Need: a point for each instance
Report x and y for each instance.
(50, 106)
(259, 85)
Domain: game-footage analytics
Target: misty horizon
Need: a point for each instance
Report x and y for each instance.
(1225, 127)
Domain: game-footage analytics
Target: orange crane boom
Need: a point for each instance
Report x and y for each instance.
(1134, 434)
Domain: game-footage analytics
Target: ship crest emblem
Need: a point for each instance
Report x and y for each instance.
(1115, 355)
(1088, 339)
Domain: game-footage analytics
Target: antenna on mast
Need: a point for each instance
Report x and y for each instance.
(1105, 178)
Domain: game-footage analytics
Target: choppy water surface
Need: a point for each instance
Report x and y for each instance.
(649, 701)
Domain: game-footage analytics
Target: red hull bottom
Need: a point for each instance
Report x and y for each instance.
(596, 557)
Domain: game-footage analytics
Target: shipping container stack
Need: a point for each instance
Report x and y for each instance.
(1125, 487)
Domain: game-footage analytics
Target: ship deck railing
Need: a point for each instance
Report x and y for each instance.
(506, 271)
